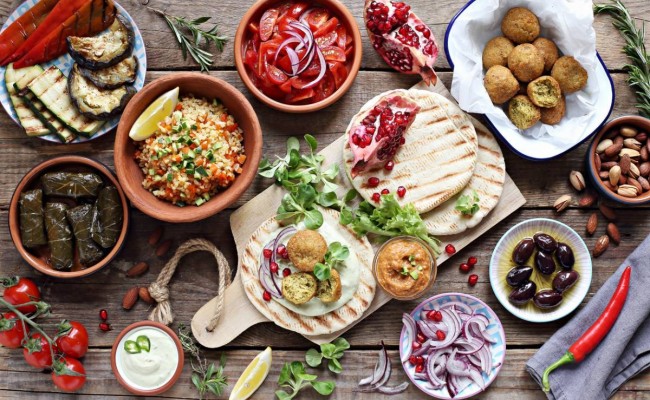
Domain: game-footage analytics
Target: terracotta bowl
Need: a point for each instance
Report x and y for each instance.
(344, 16)
(29, 181)
(179, 368)
(643, 125)
(200, 85)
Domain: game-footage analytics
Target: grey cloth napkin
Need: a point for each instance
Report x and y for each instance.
(622, 354)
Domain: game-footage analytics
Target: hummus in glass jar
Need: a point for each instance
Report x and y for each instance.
(404, 267)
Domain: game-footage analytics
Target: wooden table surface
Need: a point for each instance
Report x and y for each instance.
(194, 283)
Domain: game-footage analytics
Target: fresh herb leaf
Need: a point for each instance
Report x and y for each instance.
(313, 358)
(331, 352)
(207, 378)
(334, 365)
(468, 204)
(294, 377)
(336, 253)
(325, 387)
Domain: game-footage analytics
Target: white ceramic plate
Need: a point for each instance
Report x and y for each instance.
(501, 263)
(65, 62)
(527, 146)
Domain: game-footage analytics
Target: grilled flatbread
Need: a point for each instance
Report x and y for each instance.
(487, 181)
(437, 159)
(337, 315)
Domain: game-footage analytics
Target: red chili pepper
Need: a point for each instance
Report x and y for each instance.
(19, 30)
(596, 332)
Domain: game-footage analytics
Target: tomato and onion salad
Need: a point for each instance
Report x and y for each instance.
(297, 53)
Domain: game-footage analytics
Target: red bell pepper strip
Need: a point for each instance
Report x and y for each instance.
(92, 18)
(59, 14)
(596, 332)
(16, 33)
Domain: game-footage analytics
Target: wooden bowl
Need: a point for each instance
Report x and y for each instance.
(353, 65)
(200, 85)
(177, 373)
(67, 163)
(643, 125)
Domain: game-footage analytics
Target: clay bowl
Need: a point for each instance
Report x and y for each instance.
(38, 258)
(200, 85)
(124, 382)
(353, 64)
(643, 125)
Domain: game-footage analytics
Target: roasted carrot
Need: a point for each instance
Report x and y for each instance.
(16, 33)
(92, 18)
(59, 14)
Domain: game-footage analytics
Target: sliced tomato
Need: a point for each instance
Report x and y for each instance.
(332, 53)
(267, 51)
(250, 59)
(286, 86)
(276, 76)
(312, 71)
(284, 63)
(284, 7)
(298, 82)
(326, 40)
(267, 23)
(325, 88)
(349, 51)
(297, 9)
(328, 27)
(301, 95)
(253, 27)
(341, 36)
(339, 72)
(283, 24)
(317, 17)
(348, 40)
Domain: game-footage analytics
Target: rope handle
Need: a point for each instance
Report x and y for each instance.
(159, 290)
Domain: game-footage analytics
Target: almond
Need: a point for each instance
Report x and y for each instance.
(619, 140)
(163, 248)
(577, 180)
(601, 245)
(130, 298)
(144, 295)
(644, 169)
(622, 180)
(614, 149)
(137, 270)
(609, 186)
(611, 134)
(604, 175)
(598, 162)
(645, 185)
(628, 131)
(587, 200)
(615, 175)
(627, 191)
(613, 233)
(592, 224)
(155, 236)
(607, 212)
(636, 184)
(562, 203)
(607, 165)
(625, 163)
(644, 154)
(603, 145)
(641, 137)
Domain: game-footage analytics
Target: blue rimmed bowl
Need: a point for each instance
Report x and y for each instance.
(526, 146)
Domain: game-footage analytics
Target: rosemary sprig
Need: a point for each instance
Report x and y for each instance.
(207, 378)
(191, 45)
(639, 69)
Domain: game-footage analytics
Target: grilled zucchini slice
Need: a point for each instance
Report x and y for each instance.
(94, 102)
(104, 50)
(122, 73)
(28, 120)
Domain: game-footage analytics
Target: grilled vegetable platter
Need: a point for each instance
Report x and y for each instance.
(68, 68)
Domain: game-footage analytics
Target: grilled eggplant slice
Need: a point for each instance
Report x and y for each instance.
(122, 73)
(104, 50)
(94, 102)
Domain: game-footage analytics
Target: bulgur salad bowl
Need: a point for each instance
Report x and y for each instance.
(199, 160)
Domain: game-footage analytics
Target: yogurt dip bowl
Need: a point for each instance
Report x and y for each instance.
(147, 358)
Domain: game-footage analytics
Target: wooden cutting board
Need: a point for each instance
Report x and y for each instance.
(239, 314)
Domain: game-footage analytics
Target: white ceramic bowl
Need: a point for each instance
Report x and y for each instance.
(501, 263)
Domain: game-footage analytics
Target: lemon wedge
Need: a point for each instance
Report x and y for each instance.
(147, 122)
(253, 376)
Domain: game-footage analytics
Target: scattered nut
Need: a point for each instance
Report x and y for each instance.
(644, 169)
(622, 180)
(615, 175)
(592, 224)
(636, 184)
(628, 191)
(608, 165)
(613, 233)
(628, 131)
(130, 298)
(644, 154)
(163, 248)
(562, 203)
(144, 295)
(587, 200)
(577, 180)
(601, 245)
(604, 175)
(634, 171)
(607, 212)
(610, 186)
(137, 270)
(155, 236)
(641, 137)
(603, 145)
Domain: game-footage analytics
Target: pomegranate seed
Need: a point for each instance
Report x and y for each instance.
(389, 166)
(450, 249)
(472, 261)
(434, 315)
(401, 191)
(464, 267)
(402, 140)
(105, 326)
(286, 272)
(274, 268)
(419, 368)
(420, 338)
(266, 296)
(416, 345)
(373, 182)
(473, 279)
(413, 360)
(355, 140)
(366, 139)
(385, 191)
(268, 253)
(419, 360)
(281, 250)
(376, 197)
(440, 335)
(103, 314)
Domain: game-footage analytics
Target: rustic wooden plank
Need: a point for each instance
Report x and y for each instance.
(21, 153)
(20, 378)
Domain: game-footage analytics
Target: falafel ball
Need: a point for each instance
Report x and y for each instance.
(520, 25)
(522, 112)
(496, 52)
(526, 62)
(553, 115)
(306, 249)
(570, 74)
(544, 91)
(549, 52)
(500, 84)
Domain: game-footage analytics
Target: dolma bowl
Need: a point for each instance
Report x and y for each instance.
(37, 259)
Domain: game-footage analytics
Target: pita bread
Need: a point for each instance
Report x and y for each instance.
(488, 179)
(436, 161)
(285, 318)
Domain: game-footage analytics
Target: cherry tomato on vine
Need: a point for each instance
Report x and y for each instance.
(72, 339)
(68, 374)
(12, 330)
(20, 291)
(37, 352)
